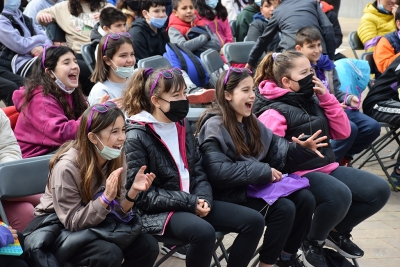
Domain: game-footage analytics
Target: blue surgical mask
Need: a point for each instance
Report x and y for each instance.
(157, 22)
(12, 5)
(212, 3)
(108, 153)
(62, 86)
(123, 72)
(257, 2)
(382, 9)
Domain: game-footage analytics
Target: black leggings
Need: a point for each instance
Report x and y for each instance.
(344, 198)
(9, 82)
(200, 233)
(288, 221)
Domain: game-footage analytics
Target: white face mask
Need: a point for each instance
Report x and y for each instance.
(123, 72)
(62, 86)
(108, 153)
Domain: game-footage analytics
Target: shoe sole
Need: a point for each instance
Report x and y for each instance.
(305, 262)
(330, 244)
(164, 251)
(207, 96)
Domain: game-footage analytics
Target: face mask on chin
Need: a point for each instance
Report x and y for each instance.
(108, 153)
(123, 72)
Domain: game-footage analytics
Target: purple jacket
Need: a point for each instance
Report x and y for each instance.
(6, 237)
(42, 125)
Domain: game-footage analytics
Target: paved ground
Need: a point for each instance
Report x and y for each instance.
(379, 236)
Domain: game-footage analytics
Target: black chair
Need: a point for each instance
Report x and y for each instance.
(232, 23)
(355, 43)
(55, 33)
(87, 51)
(213, 64)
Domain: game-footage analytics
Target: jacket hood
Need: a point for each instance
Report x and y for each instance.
(17, 13)
(325, 6)
(259, 16)
(141, 22)
(19, 97)
(269, 89)
(95, 34)
(70, 155)
(183, 26)
(252, 9)
(147, 118)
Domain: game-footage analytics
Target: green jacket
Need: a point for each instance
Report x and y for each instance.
(243, 21)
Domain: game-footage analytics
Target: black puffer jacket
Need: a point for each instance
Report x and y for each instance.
(144, 147)
(229, 174)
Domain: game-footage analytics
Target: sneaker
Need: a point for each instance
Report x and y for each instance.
(342, 244)
(396, 179)
(313, 254)
(293, 262)
(200, 95)
(180, 253)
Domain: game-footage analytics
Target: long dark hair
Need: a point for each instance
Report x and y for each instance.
(87, 161)
(205, 11)
(75, 8)
(40, 78)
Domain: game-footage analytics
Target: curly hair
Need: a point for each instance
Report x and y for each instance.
(75, 7)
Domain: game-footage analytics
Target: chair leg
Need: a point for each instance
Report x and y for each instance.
(384, 168)
(217, 260)
(355, 263)
(166, 256)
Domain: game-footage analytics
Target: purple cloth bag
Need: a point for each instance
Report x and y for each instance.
(271, 192)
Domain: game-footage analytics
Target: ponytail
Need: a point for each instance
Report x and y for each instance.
(265, 70)
(135, 96)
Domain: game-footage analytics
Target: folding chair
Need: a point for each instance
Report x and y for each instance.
(355, 43)
(87, 52)
(154, 62)
(237, 52)
(23, 178)
(55, 33)
(232, 23)
(219, 236)
(213, 64)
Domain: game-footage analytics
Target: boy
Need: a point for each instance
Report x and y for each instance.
(244, 19)
(288, 18)
(148, 33)
(364, 130)
(112, 20)
(260, 22)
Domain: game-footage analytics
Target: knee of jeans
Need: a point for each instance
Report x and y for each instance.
(308, 199)
(205, 234)
(354, 129)
(382, 191)
(111, 254)
(342, 197)
(375, 129)
(287, 209)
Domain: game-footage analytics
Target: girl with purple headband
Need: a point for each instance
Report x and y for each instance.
(179, 204)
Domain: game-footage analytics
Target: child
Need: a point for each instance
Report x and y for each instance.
(364, 130)
(8, 236)
(244, 19)
(344, 196)
(114, 67)
(260, 22)
(132, 9)
(148, 33)
(214, 14)
(34, 6)
(183, 18)
(388, 47)
(240, 156)
(50, 104)
(179, 203)
(112, 20)
(86, 190)
(290, 16)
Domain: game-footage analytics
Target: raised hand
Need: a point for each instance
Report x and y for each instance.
(312, 143)
(112, 184)
(143, 180)
(319, 87)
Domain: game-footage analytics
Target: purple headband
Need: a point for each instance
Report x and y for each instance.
(147, 72)
(274, 55)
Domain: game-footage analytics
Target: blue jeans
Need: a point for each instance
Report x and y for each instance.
(364, 130)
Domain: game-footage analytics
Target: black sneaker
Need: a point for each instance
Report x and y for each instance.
(293, 262)
(180, 253)
(396, 179)
(342, 244)
(313, 254)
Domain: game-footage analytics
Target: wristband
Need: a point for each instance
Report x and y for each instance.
(130, 199)
(103, 197)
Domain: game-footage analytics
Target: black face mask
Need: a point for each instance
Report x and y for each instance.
(306, 86)
(178, 110)
(134, 4)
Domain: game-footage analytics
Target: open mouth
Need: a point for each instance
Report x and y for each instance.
(117, 147)
(249, 105)
(73, 77)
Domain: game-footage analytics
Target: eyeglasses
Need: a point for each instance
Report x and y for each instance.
(114, 36)
(101, 108)
(167, 74)
(44, 53)
(359, 98)
(238, 70)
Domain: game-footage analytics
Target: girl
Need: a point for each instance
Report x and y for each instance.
(131, 9)
(50, 104)
(77, 19)
(179, 203)
(344, 196)
(242, 158)
(234, 7)
(79, 193)
(214, 14)
(115, 65)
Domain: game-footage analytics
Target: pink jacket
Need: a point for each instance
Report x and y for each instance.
(42, 125)
(338, 121)
(222, 29)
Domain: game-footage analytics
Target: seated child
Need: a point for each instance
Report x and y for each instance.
(112, 20)
(113, 68)
(244, 19)
(34, 6)
(260, 22)
(148, 34)
(50, 103)
(182, 19)
(364, 130)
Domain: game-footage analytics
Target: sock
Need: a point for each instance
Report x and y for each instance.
(285, 256)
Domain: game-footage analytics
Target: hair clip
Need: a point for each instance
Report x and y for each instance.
(274, 55)
(147, 72)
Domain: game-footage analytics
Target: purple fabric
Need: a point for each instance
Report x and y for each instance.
(114, 214)
(6, 237)
(394, 86)
(271, 192)
(372, 42)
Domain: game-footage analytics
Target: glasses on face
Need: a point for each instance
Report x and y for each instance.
(238, 70)
(114, 36)
(101, 108)
(167, 74)
(44, 53)
(359, 98)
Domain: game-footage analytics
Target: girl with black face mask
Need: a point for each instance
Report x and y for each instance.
(179, 204)
(345, 197)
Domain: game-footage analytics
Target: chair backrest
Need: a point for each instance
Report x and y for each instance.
(237, 52)
(154, 62)
(232, 23)
(22, 178)
(12, 114)
(355, 43)
(369, 57)
(55, 33)
(213, 64)
(88, 56)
